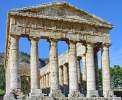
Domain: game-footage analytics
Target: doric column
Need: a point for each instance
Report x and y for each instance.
(106, 70)
(73, 82)
(65, 78)
(61, 76)
(14, 78)
(43, 81)
(34, 65)
(91, 84)
(54, 70)
(47, 80)
(84, 72)
(96, 67)
(78, 73)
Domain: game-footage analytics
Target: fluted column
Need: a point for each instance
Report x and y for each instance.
(14, 78)
(106, 70)
(96, 68)
(84, 72)
(91, 83)
(34, 65)
(48, 80)
(41, 83)
(73, 82)
(78, 73)
(65, 77)
(65, 73)
(54, 70)
(45, 81)
(61, 76)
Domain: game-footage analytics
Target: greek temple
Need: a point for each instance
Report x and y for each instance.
(85, 34)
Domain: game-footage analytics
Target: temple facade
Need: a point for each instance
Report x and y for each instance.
(85, 34)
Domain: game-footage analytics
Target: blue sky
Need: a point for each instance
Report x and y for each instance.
(110, 10)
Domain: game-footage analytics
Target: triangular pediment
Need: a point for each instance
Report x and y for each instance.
(63, 10)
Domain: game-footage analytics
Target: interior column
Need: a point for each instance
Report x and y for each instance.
(79, 73)
(65, 77)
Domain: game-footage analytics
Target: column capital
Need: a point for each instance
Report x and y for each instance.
(90, 44)
(71, 41)
(33, 39)
(52, 40)
(15, 36)
(106, 45)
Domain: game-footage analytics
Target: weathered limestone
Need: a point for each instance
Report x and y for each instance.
(14, 77)
(96, 68)
(54, 80)
(79, 73)
(84, 72)
(61, 76)
(91, 83)
(34, 68)
(106, 71)
(59, 21)
(73, 81)
(47, 81)
(65, 78)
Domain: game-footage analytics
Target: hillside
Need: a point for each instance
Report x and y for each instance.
(25, 58)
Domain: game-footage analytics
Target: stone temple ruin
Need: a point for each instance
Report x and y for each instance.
(85, 34)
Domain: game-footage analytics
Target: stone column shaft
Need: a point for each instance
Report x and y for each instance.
(54, 71)
(34, 65)
(54, 66)
(14, 78)
(84, 72)
(106, 71)
(73, 82)
(65, 74)
(48, 80)
(61, 76)
(44, 81)
(91, 84)
(79, 73)
(65, 77)
(96, 70)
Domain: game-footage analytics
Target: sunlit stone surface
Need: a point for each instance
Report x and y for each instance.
(60, 78)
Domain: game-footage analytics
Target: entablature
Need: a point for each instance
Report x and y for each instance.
(87, 36)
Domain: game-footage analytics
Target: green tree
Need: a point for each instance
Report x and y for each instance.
(116, 77)
(2, 77)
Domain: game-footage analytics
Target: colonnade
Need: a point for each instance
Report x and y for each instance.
(45, 81)
(70, 74)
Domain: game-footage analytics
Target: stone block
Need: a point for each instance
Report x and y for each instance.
(36, 93)
(92, 93)
(56, 94)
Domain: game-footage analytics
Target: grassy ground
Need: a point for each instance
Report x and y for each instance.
(2, 92)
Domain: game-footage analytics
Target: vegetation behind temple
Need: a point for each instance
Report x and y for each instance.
(116, 74)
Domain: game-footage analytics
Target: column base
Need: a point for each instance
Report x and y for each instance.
(14, 94)
(36, 92)
(56, 93)
(110, 94)
(92, 93)
(75, 94)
